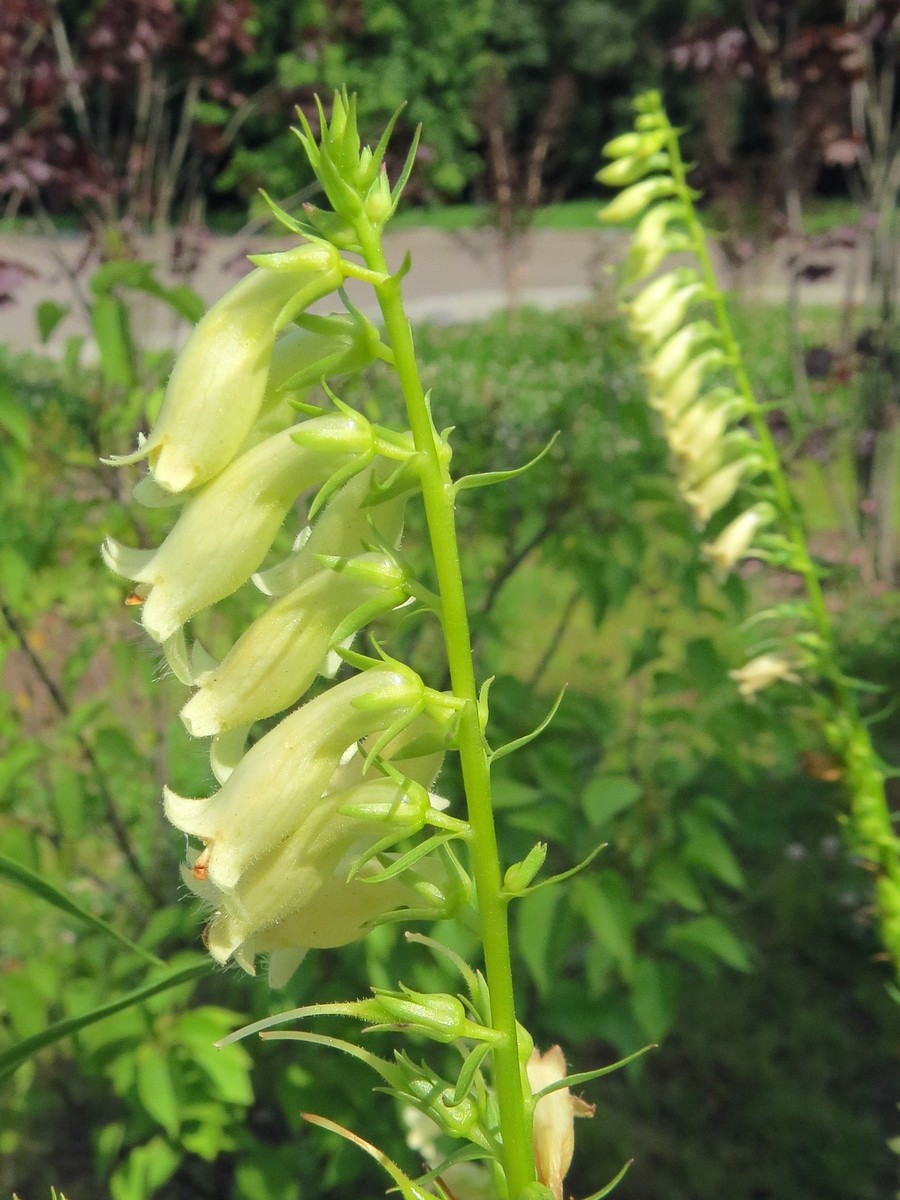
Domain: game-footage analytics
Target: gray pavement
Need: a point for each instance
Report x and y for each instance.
(454, 277)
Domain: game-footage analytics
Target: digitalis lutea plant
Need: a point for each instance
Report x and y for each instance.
(328, 825)
(729, 470)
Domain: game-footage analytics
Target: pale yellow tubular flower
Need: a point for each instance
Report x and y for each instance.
(668, 315)
(343, 529)
(217, 386)
(642, 309)
(701, 425)
(761, 672)
(223, 534)
(339, 913)
(634, 199)
(292, 874)
(277, 658)
(683, 390)
(553, 1129)
(714, 492)
(675, 353)
(736, 539)
(256, 809)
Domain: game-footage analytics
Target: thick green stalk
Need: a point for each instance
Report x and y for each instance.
(439, 500)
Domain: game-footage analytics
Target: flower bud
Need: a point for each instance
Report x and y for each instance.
(667, 316)
(437, 1015)
(223, 534)
(628, 145)
(676, 352)
(629, 170)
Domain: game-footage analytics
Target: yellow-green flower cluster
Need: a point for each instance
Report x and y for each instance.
(689, 363)
(295, 844)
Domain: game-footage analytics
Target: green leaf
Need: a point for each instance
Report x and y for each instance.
(30, 881)
(608, 795)
(670, 879)
(605, 904)
(510, 793)
(14, 418)
(156, 1089)
(709, 935)
(16, 760)
(706, 848)
(653, 996)
(48, 315)
(536, 934)
(145, 1171)
(13, 1057)
(111, 323)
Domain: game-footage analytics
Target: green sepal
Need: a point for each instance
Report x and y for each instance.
(563, 875)
(308, 409)
(390, 1074)
(614, 1182)
(397, 190)
(483, 705)
(320, 285)
(487, 478)
(284, 218)
(366, 613)
(335, 482)
(467, 1073)
(416, 854)
(518, 743)
(518, 877)
(571, 1081)
(408, 1189)
(438, 948)
(469, 1153)
(381, 148)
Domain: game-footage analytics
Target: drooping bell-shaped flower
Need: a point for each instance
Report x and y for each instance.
(553, 1128)
(219, 379)
(223, 534)
(290, 768)
(277, 658)
(736, 539)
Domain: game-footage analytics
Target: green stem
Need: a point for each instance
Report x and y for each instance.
(439, 500)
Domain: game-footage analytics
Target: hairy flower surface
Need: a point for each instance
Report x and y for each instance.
(219, 380)
(288, 770)
(224, 533)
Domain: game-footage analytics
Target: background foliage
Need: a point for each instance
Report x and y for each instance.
(722, 918)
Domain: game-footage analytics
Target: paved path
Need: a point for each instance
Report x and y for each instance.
(454, 277)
